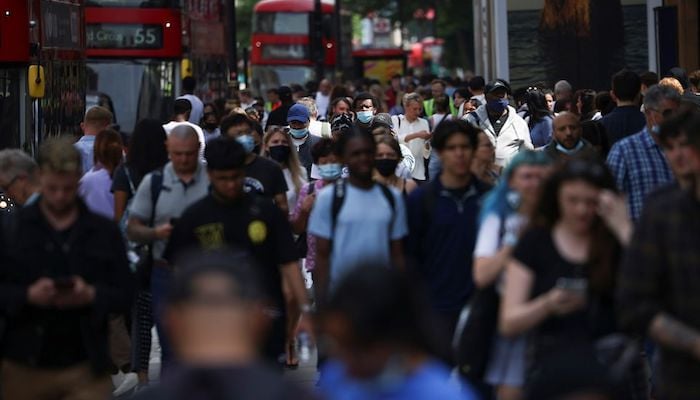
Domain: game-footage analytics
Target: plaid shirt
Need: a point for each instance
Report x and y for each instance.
(639, 166)
(661, 273)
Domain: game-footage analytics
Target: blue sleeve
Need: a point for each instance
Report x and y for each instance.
(434, 165)
(616, 163)
(320, 220)
(414, 211)
(400, 228)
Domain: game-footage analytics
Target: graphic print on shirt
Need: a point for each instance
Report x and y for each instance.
(210, 236)
(257, 232)
(252, 185)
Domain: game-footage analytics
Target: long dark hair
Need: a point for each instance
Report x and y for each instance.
(605, 249)
(536, 107)
(147, 150)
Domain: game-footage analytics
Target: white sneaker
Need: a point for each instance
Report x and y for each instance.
(118, 379)
(129, 383)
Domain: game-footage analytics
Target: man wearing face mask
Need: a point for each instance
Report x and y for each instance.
(567, 141)
(365, 106)
(263, 176)
(298, 119)
(637, 161)
(507, 131)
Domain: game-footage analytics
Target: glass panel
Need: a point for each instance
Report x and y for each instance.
(267, 77)
(9, 108)
(282, 23)
(131, 3)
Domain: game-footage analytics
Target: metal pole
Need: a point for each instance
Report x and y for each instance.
(245, 65)
(318, 39)
(230, 6)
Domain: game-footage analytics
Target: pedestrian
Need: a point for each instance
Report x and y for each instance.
(673, 140)
(460, 99)
(96, 184)
(317, 128)
(147, 153)
(19, 176)
(563, 96)
(539, 118)
(584, 104)
(437, 88)
(484, 165)
(625, 119)
(277, 146)
(414, 132)
(339, 105)
(355, 220)
(441, 108)
(442, 217)
(386, 161)
(263, 176)
(159, 201)
(215, 313)
(323, 97)
(365, 106)
(505, 213)
(637, 161)
(64, 270)
(567, 141)
(508, 132)
(96, 120)
(228, 216)
(299, 119)
(197, 107)
(382, 125)
(658, 291)
(278, 115)
(477, 85)
(560, 281)
(210, 122)
(182, 109)
(381, 328)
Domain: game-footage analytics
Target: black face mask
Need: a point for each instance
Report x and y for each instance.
(279, 153)
(385, 166)
(211, 126)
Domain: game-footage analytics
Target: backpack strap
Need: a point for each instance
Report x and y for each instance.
(130, 180)
(339, 189)
(156, 187)
(476, 118)
(392, 203)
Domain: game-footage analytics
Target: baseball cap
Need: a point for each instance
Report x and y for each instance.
(382, 119)
(495, 85)
(298, 112)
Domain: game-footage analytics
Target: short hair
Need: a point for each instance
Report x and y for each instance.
(626, 85)
(233, 120)
(98, 115)
(463, 92)
(184, 132)
(685, 121)
(310, 103)
(323, 148)
(649, 78)
(657, 93)
(15, 162)
(354, 133)
(694, 78)
(409, 97)
(445, 130)
(477, 83)
(235, 266)
(362, 97)
(672, 83)
(224, 153)
(182, 106)
(441, 104)
(188, 84)
(562, 86)
(108, 150)
(58, 155)
(438, 82)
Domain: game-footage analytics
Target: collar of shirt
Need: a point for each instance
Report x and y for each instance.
(647, 139)
(169, 175)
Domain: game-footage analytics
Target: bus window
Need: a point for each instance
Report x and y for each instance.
(132, 3)
(282, 23)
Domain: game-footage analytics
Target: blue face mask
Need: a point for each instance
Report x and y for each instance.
(575, 150)
(364, 116)
(247, 142)
(497, 106)
(330, 172)
(299, 133)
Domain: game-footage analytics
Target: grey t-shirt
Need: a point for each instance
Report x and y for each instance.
(174, 198)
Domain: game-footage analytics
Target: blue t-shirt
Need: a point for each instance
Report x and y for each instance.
(430, 381)
(362, 229)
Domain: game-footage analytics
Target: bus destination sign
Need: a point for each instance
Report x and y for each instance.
(124, 36)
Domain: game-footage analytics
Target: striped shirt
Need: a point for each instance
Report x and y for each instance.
(639, 166)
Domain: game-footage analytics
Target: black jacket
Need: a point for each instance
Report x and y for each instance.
(587, 152)
(95, 251)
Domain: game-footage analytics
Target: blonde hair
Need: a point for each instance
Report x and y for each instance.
(60, 156)
(560, 14)
(293, 164)
(98, 115)
(672, 83)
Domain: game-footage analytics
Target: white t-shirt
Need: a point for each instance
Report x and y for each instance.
(292, 193)
(489, 240)
(200, 134)
(197, 107)
(417, 146)
(322, 103)
(435, 119)
(320, 129)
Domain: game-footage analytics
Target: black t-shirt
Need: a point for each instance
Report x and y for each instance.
(120, 180)
(250, 382)
(537, 251)
(252, 224)
(264, 177)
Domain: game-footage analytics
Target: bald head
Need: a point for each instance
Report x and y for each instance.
(566, 129)
(183, 132)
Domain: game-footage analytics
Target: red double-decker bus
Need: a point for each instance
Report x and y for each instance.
(281, 42)
(50, 34)
(134, 48)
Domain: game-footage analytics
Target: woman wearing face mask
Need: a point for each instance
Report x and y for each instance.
(386, 160)
(277, 146)
(505, 211)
